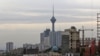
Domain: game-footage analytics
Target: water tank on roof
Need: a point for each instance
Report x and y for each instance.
(73, 27)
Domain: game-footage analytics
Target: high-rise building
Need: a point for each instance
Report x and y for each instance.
(57, 41)
(47, 39)
(74, 40)
(44, 40)
(44, 35)
(9, 46)
(70, 40)
(65, 43)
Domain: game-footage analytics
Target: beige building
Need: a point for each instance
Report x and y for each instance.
(73, 35)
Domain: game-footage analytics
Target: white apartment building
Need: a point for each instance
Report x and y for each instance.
(44, 40)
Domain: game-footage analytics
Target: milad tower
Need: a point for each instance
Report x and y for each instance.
(53, 20)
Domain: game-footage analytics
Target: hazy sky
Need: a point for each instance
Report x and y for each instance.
(22, 21)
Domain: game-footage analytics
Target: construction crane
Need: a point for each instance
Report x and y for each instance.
(83, 30)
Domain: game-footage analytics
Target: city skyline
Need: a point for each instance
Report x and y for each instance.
(23, 21)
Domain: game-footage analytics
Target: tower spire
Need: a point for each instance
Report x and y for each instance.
(53, 9)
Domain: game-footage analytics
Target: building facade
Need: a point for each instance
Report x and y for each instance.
(58, 35)
(65, 44)
(70, 40)
(9, 46)
(44, 35)
(44, 40)
(74, 40)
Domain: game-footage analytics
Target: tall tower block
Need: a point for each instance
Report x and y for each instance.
(9, 46)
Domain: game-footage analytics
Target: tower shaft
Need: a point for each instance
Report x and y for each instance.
(53, 27)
